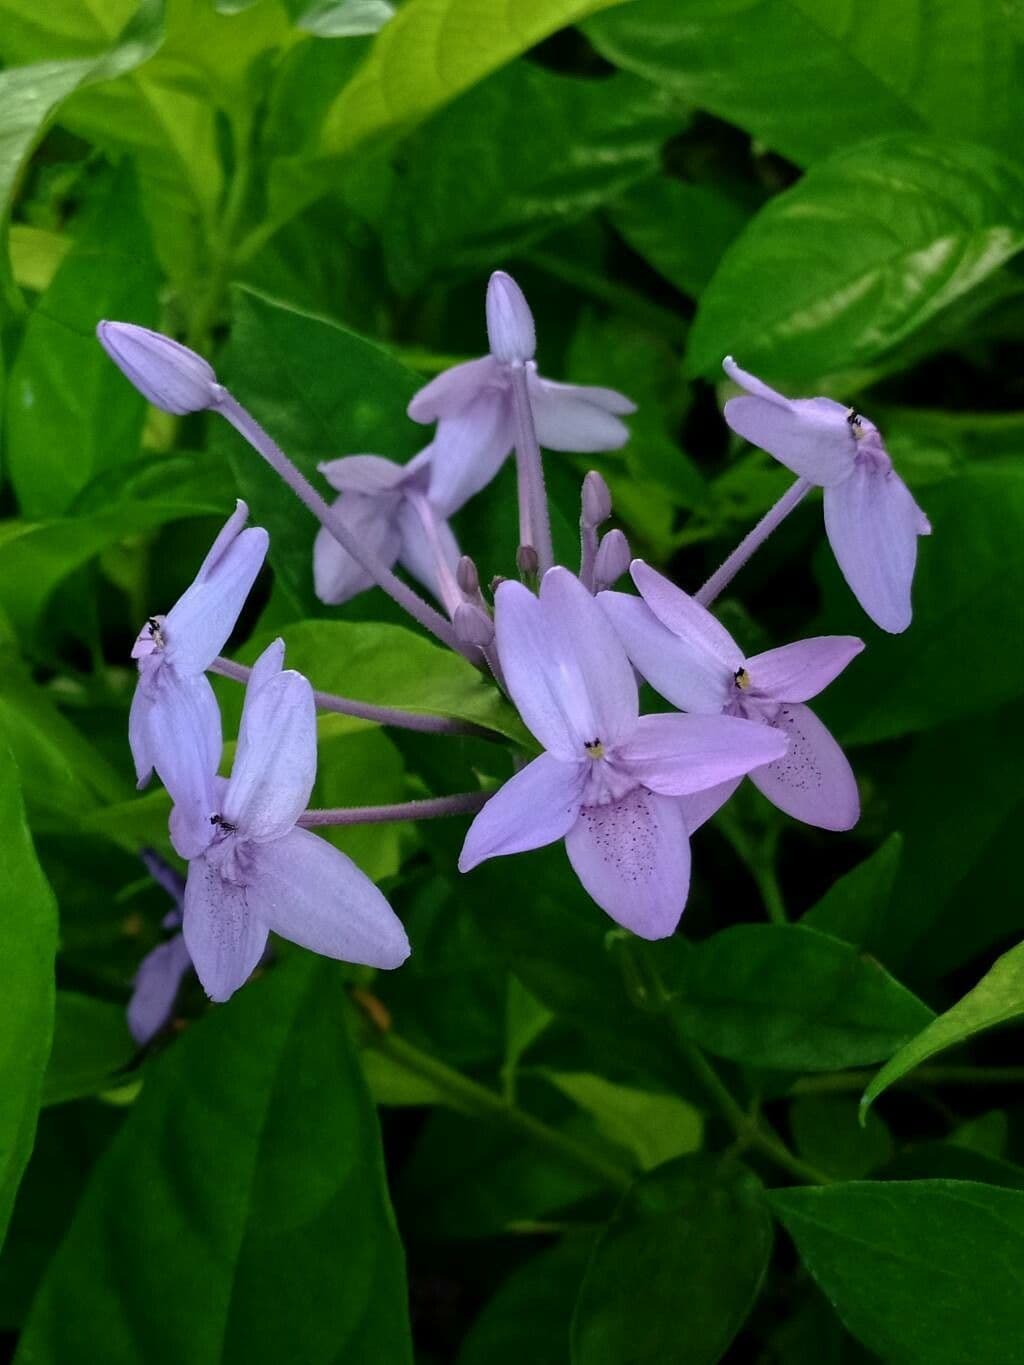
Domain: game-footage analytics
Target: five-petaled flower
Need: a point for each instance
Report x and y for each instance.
(693, 661)
(871, 519)
(610, 780)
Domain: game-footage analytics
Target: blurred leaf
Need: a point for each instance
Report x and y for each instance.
(810, 76)
(430, 52)
(680, 229)
(695, 1234)
(516, 179)
(90, 1043)
(927, 1272)
(392, 1084)
(654, 1127)
(28, 943)
(828, 1136)
(248, 1174)
(36, 254)
(362, 769)
(869, 247)
(788, 998)
(998, 998)
(856, 905)
(339, 18)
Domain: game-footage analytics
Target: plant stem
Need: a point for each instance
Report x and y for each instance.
(837, 1082)
(477, 1100)
(760, 863)
(752, 541)
(534, 520)
(382, 715)
(464, 803)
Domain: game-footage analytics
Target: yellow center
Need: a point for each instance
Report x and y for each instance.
(742, 678)
(595, 749)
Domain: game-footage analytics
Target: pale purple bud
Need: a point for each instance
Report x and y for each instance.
(472, 625)
(596, 500)
(167, 374)
(527, 561)
(612, 561)
(509, 321)
(467, 577)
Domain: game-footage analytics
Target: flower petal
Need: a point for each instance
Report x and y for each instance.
(275, 763)
(308, 891)
(183, 740)
(676, 755)
(534, 808)
(701, 806)
(453, 389)
(469, 448)
(814, 781)
(370, 474)
(572, 417)
(684, 616)
(633, 857)
(798, 671)
(872, 524)
(684, 673)
(225, 940)
(373, 522)
(811, 436)
(417, 553)
(156, 987)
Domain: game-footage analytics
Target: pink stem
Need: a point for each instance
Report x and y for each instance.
(773, 518)
(465, 803)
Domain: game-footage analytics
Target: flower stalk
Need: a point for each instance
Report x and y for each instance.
(463, 803)
(753, 541)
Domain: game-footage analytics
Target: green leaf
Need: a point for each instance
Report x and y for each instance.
(430, 52)
(677, 1270)
(70, 414)
(926, 1272)
(249, 1173)
(681, 229)
(911, 225)
(855, 906)
(790, 999)
(654, 1126)
(28, 943)
(827, 1135)
(998, 998)
(809, 76)
(90, 1043)
(340, 18)
(585, 141)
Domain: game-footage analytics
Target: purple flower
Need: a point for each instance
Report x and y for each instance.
(609, 779)
(167, 374)
(472, 404)
(251, 869)
(388, 507)
(871, 519)
(162, 970)
(175, 721)
(693, 661)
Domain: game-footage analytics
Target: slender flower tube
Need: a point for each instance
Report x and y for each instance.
(693, 661)
(609, 779)
(595, 508)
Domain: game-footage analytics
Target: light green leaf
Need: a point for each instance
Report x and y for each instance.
(91, 1043)
(654, 1126)
(869, 247)
(924, 1272)
(28, 943)
(340, 18)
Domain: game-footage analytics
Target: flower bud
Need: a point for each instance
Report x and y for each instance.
(596, 501)
(509, 320)
(612, 559)
(467, 577)
(527, 561)
(167, 374)
(472, 625)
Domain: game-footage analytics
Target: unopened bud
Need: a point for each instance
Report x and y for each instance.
(166, 373)
(527, 561)
(612, 559)
(596, 501)
(467, 577)
(509, 320)
(472, 625)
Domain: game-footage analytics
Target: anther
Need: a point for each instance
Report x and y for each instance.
(225, 825)
(742, 679)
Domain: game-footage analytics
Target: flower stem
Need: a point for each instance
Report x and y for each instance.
(448, 588)
(463, 803)
(760, 863)
(247, 426)
(534, 521)
(382, 715)
(754, 539)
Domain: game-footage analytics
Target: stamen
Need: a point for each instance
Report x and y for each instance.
(225, 825)
(156, 633)
(594, 748)
(742, 679)
(855, 422)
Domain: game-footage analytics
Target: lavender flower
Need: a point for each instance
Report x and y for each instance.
(871, 519)
(161, 972)
(473, 404)
(251, 869)
(693, 661)
(175, 722)
(609, 779)
(166, 373)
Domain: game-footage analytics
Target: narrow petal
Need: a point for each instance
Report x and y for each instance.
(469, 448)
(308, 891)
(633, 857)
(811, 436)
(680, 669)
(677, 755)
(685, 617)
(224, 939)
(814, 781)
(138, 734)
(873, 524)
(532, 809)
(372, 521)
(799, 671)
(520, 628)
(156, 987)
(608, 399)
(752, 384)
(417, 553)
(701, 806)
(183, 739)
(566, 417)
(453, 389)
(275, 763)
(370, 474)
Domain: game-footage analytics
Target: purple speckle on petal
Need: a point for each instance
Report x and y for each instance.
(624, 833)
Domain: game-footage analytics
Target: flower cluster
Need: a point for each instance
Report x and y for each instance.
(625, 791)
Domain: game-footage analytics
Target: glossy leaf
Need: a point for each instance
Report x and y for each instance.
(682, 229)
(91, 1043)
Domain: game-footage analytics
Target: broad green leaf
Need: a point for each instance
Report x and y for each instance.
(35, 255)
(826, 1133)
(584, 142)
(788, 998)
(681, 229)
(340, 18)
(249, 1173)
(677, 1270)
(91, 1043)
(28, 943)
(854, 908)
(810, 76)
(860, 255)
(654, 1126)
(998, 998)
(528, 1318)
(70, 414)
(925, 1272)
(430, 52)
